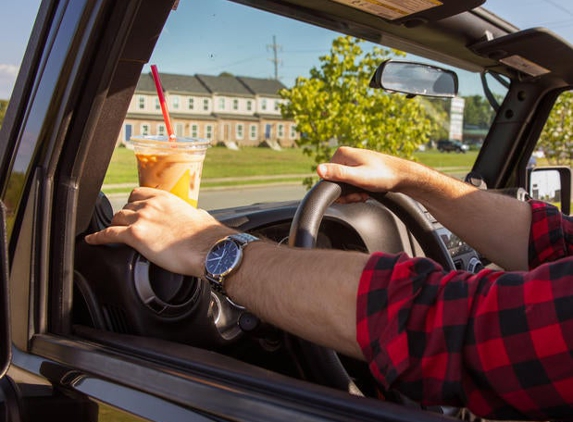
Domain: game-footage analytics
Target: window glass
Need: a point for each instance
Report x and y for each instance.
(175, 102)
(555, 145)
(227, 72)
(194, 131)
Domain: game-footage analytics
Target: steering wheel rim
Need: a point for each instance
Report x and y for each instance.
(325, 363)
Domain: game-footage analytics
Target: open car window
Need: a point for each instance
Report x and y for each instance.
(227, 69)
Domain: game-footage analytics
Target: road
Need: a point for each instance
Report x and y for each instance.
(216, 198)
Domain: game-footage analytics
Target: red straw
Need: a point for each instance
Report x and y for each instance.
(162, 102)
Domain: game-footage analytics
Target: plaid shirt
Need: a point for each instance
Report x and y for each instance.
(498, 343)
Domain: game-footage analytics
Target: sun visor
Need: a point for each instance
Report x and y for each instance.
(533, 52)
(412, 12)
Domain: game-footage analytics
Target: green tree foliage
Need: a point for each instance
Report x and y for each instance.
(477, 111)
(334, 106)
(439, 111)
(556, 140)
(3, 107)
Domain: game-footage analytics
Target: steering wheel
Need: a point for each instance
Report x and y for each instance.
(323, 362)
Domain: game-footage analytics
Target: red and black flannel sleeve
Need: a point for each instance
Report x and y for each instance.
(499, 343)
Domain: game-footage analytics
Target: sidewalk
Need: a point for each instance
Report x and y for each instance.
(226, 182)
(278, 179)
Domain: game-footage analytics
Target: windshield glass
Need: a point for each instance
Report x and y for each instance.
(275, 96)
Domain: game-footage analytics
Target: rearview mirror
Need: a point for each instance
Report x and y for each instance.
(415, 79)
(553, 185)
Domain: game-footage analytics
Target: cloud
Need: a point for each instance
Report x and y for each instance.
(8, 73)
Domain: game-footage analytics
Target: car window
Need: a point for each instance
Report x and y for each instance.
(555, 146)
(224, 69)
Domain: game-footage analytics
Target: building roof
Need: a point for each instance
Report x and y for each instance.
(269, 87)
(173, 83)
(208, 84)
(224, 85)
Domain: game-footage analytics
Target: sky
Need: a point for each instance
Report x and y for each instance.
(247, 49)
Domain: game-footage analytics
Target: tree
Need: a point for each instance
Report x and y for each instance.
(3, 107)
(477, 111)
(556, 140)
(335, 106)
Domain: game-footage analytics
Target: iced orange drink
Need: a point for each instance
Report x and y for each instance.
(174, 166)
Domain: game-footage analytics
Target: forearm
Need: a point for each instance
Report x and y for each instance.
(496, 225)
(310, 293)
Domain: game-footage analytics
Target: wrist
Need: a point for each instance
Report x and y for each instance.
(225, 258)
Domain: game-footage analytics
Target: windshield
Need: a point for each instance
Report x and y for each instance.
(275, 97)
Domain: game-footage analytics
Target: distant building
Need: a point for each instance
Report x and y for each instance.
(225, 109)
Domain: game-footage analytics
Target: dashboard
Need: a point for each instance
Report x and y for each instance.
(118, 290)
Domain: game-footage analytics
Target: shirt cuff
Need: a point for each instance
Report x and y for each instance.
(546, 237)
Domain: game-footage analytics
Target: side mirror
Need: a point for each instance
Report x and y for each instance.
(415, 79)
(553, 185)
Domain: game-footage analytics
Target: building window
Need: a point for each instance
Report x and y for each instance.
(253, 132)
(161, 129)
(141, 102)
(239, 129)
(209, 132)
(157, 105)
(145, 129)
(175, 102)
(178, 129)
(293, 131)
(194, 131)
(206, 104)
(249, 105)
(191, 103)
(235, 104)
(263, 104)
(281, 131)
(277, 106)
(221, 104)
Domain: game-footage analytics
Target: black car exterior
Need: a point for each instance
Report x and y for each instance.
(78, 76)
(449, 145)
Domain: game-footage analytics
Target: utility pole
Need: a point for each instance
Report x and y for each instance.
(275, 48)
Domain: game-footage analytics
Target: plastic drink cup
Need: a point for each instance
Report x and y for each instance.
(174, 166)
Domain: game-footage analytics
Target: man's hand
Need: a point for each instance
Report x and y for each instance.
(164, 229)
(371, 171)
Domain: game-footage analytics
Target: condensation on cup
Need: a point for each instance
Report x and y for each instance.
(173, 166)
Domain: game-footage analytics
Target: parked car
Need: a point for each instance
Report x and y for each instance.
(91, 333)
(451, 145)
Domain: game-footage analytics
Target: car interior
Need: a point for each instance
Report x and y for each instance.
(123, 317)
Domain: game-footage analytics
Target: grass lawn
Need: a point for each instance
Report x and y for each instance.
(221, 162)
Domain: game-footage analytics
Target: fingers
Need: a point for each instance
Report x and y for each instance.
(112, 234)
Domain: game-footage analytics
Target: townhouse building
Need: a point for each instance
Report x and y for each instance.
(232, 110)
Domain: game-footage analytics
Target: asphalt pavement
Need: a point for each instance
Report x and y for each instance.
(217, 198)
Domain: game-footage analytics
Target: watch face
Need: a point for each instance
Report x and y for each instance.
(223, 258)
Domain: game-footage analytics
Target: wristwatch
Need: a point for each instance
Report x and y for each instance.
(224, 258)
